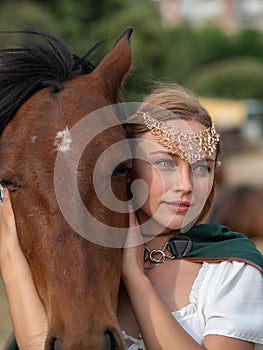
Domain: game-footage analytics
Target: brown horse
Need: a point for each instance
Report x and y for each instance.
(44, 91)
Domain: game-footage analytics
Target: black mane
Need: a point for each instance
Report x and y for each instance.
(42, 60)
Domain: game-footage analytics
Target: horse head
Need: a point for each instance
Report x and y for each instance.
(45, 92)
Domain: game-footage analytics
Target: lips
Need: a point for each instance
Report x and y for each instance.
(178, 206)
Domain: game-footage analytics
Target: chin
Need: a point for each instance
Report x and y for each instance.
(182, 225)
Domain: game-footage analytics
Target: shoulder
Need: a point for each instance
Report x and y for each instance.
(228, 285)
(232, 300)
(228, 274)
(233, 266)
(234, 288)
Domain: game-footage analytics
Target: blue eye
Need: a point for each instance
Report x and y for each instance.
(201, 169)
(165, 163)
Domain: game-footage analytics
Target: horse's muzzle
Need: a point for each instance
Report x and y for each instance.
(110, 340)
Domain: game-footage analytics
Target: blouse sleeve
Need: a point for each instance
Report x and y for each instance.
(235, 304)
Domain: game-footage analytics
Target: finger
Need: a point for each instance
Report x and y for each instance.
(6, 196)
(5, 204)
(7, 219)
(133, 240)
(134, 237)
(133, 222)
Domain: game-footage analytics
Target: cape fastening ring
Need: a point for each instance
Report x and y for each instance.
(157, 256)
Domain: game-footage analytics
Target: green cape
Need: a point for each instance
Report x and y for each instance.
(214, 243)
(13, 346)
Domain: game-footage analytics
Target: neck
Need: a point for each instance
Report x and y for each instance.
(154, 234)
(158, 242)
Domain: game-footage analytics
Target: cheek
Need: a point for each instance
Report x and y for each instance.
(202, 187)
(157, 184)
(150, 181)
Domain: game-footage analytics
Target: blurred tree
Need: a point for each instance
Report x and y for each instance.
(239, 78)
(181, 54)
(76, 17)
(248, 42)
(14, 13)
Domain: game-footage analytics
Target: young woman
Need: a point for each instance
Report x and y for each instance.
(186, 285)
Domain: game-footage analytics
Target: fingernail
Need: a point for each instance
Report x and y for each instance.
(1, 194)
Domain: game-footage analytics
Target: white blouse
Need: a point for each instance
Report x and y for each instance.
(226, 299)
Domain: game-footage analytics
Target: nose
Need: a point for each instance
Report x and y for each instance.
(185, 179)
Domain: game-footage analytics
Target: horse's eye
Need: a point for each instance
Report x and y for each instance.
(122, 169)
(11, 185)
(119, 171)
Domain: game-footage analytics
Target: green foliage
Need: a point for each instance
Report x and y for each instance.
(237, 78)
(14, 13)
(205, 58)
(248, 42)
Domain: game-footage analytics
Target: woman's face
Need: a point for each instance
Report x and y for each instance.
(177, 190)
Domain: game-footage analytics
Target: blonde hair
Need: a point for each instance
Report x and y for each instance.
(184, 105)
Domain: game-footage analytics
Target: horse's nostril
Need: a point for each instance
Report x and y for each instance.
(55, 344)
(112, 341)
(108, 341)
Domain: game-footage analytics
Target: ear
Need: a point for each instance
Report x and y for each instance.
(114, 68)
(218, 166)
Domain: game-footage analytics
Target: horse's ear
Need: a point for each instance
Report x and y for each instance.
(115, 66)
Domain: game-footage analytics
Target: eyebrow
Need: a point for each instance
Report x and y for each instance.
(171, 155)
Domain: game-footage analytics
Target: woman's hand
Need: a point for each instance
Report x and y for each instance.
(9, 245)
(133, 253)
(27, 313)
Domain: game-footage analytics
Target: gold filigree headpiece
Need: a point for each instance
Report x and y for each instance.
(189, 146)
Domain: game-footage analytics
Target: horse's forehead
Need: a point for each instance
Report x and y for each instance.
(57, 112)
(63, 140)
(53, 116)
(78, 97)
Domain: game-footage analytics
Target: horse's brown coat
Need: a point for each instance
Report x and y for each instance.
(77, 280)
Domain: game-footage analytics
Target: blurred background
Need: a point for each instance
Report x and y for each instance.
(213, 47)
